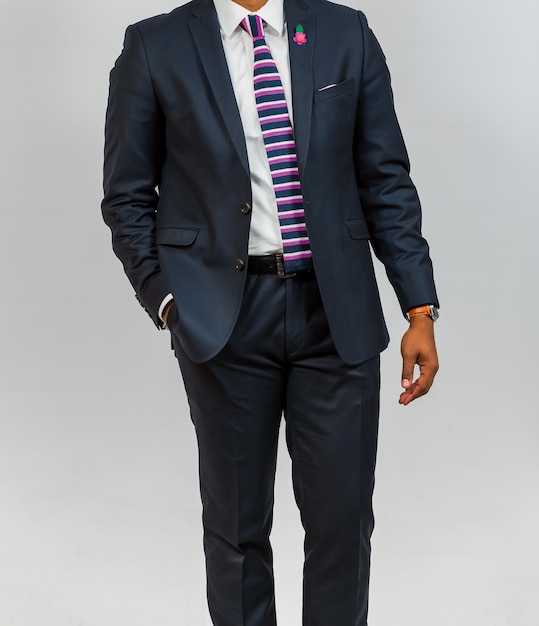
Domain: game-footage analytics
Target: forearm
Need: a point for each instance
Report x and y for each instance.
(389, 198)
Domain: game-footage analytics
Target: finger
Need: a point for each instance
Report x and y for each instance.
(420, 387)
(411, 394)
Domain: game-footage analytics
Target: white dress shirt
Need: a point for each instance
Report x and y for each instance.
(265, 234)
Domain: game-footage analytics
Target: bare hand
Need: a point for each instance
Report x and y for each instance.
(418, 347)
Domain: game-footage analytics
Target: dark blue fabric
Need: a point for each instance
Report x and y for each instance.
(173, 125)
(281, 358)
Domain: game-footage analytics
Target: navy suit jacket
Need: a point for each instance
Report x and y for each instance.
(176, 175)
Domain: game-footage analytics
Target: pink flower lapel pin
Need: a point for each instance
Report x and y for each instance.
(301, 36)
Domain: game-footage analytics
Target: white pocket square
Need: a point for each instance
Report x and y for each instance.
(328, 87)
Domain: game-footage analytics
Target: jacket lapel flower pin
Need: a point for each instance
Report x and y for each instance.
(301, 36)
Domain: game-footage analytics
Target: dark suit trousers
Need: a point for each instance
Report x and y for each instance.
(281, 359)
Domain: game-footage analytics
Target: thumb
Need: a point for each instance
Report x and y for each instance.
(407, 378)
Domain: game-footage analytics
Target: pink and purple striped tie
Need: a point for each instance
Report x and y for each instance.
(281, 150)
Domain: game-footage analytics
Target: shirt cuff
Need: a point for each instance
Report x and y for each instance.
(168, 298)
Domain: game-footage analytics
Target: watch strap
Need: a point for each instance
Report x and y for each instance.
(425, 309)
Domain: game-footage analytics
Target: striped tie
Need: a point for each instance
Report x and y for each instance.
(281, 150)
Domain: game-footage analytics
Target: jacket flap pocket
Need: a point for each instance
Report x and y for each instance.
(358, 228)
(174, 236)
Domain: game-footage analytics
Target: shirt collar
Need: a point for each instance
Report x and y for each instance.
(230, 14)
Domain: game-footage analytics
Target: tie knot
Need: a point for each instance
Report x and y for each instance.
(253, 25)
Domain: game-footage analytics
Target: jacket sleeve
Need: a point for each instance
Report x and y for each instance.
(134, 154)
(389, 198)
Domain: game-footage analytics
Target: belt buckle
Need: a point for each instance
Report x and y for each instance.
(279, 259)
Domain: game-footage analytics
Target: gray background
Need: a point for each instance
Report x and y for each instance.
(100, 515)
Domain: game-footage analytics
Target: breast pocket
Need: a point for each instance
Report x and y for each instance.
(331, 92)
(333, 119)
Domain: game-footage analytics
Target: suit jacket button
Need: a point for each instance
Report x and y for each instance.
(245, 208)
(240, 265)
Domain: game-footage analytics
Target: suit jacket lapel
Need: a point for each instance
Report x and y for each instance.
(301, 61)
(204, 27)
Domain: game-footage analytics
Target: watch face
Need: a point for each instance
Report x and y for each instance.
(434, 312)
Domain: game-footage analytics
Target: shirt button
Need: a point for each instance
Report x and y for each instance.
(245, 208)
(240, 265)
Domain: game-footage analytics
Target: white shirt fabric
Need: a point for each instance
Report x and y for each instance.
(265, 234)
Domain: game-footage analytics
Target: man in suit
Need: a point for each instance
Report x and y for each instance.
(250, 242)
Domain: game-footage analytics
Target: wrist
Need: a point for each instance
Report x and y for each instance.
(421, 320)
(429, 311)
(166, 311)
(165, 304)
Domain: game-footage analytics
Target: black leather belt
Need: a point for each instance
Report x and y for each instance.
(271, 264)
